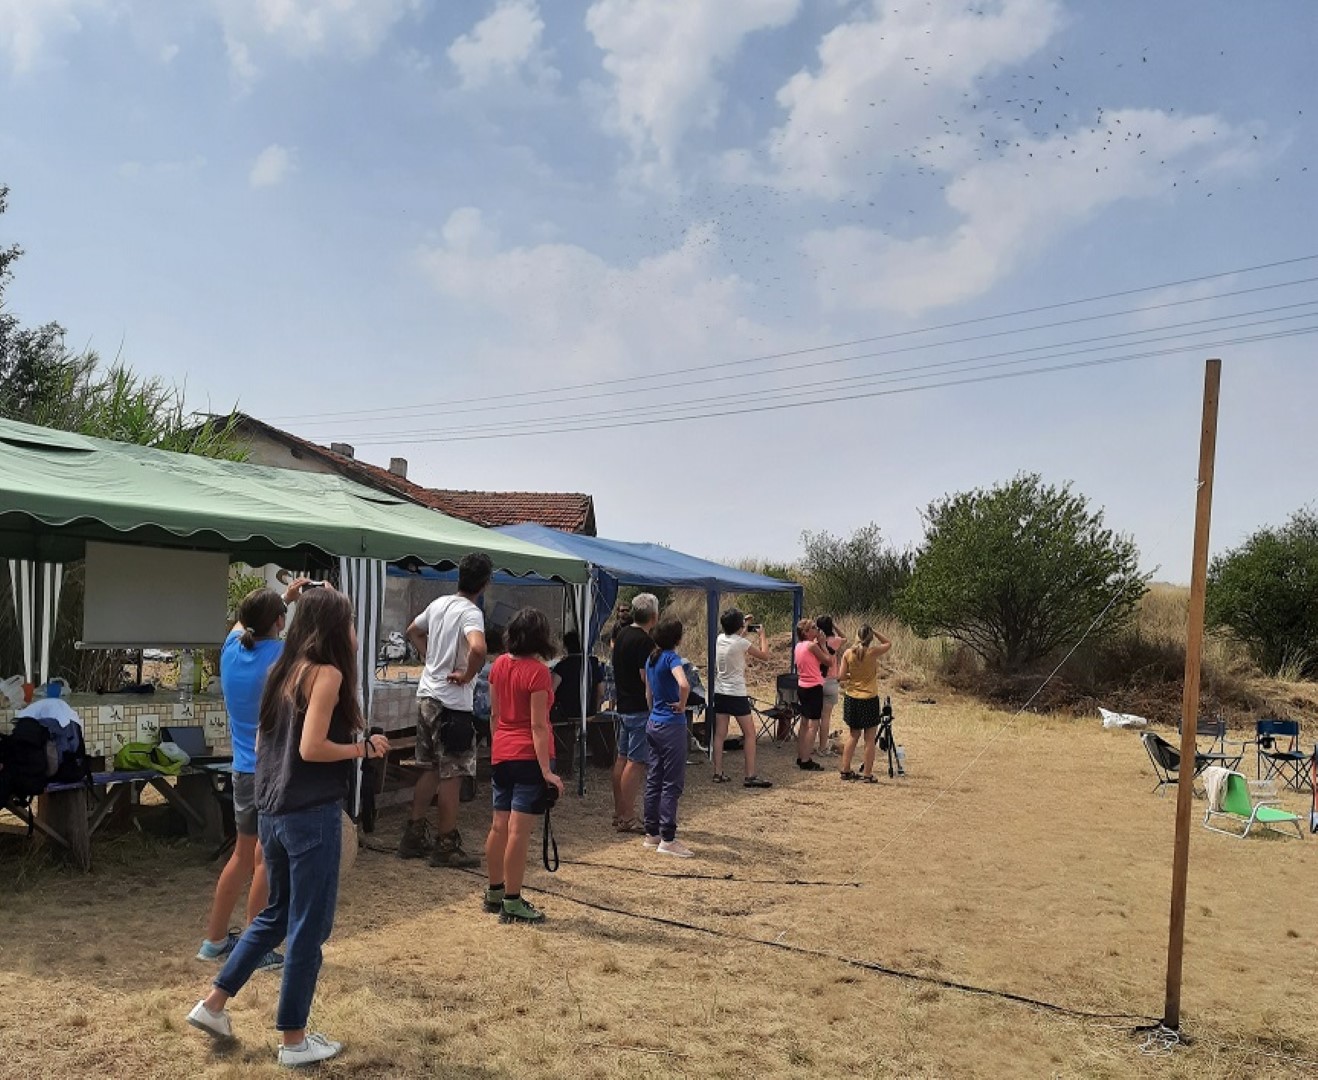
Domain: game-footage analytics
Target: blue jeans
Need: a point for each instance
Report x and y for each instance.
(666, 776)
(301, 852)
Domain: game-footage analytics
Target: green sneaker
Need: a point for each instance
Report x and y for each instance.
(519, 911)
(494, 901)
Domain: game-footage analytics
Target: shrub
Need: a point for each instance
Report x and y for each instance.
(860, 572)
(1019, 570)
(1264, 593)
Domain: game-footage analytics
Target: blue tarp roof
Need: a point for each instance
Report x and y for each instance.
(648, 564)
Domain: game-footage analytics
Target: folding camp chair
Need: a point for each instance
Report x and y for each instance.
(1166, 761)
(1277, 744)
(1221, 751)
(1239, 807)
(779, 720)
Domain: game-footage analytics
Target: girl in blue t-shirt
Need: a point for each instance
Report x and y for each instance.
(666, 689)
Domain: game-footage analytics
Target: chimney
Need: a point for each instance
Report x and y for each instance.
(398, 466)
(342, 448)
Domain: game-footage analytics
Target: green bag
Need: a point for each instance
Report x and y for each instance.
(140, 756)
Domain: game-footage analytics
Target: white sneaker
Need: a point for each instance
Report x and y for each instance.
(216, 1025)
(650, 841)
(315, 1048)
(675, 847)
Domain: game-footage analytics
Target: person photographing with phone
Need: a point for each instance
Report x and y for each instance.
(667, 689)
(522, 771)
(309, 722)
(731, 700)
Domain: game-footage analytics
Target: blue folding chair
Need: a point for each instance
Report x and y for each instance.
(1277, 745)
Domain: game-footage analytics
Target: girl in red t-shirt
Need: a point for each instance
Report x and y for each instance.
(521, 759)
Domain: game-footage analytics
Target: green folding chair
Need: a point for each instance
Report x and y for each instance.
(1239, 807)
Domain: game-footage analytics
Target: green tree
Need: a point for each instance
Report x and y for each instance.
(857, 573)
(1264, 593)
(1018, 571)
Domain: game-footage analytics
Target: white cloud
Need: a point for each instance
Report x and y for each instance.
(168, 52)
(663, 57)
(272, 167)
(503, 44)
(305, 28)
(26, 25)
(562, 304)
(897, 83)
(1017, 205)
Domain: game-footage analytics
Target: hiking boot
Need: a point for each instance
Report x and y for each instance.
(519, 911)
(417, 841)
(448, 852)
(494, 901)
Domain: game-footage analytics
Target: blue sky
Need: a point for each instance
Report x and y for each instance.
(375, 220)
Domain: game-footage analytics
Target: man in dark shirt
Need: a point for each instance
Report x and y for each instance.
(631, 650)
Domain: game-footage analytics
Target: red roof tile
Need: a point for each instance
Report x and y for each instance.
(570, 511)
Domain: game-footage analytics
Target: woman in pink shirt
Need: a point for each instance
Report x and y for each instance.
(810, 658)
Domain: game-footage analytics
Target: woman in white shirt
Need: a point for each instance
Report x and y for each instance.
(730, 697)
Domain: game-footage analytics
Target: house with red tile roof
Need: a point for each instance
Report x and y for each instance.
(268, 445)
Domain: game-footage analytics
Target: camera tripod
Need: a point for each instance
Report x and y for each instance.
(887, 743)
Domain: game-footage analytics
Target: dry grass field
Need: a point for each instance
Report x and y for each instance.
(1042, 871)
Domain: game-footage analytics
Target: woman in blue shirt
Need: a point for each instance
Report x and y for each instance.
(666, 688)
(250, 650)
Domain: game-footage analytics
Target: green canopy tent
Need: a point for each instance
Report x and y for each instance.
(60, 490)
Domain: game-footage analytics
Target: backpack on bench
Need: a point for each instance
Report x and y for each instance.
(38, 752)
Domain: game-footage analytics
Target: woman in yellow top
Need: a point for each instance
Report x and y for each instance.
(859, 678)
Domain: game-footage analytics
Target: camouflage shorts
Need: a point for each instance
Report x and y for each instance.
(430, 752)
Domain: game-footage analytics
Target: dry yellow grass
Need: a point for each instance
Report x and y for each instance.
(1042, 871)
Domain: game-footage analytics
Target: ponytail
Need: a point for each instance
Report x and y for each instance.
(258, 613)
(864, 639)
(247, 639)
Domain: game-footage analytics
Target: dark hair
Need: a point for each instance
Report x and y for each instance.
(529, 634)
(474, 573)
(321, 633)
(258, 613)
(572, 643)
(825, 623)
(732, 621)
(493, 640)
(667, 635)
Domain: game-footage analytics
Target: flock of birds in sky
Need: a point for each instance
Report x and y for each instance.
(916, 138)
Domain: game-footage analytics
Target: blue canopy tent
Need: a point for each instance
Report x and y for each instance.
(617, 562)
(614, 563)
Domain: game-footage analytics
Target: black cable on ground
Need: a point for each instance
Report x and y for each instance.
(820, 954)
(713, 877)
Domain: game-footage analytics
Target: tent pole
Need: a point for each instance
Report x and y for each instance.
(798, 611)
(711, 633)
(587, 685)
(1171, 1017)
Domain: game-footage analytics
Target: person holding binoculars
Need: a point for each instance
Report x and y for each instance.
(731, 700)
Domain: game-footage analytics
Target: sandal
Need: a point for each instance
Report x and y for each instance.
(848, 774)
(756, 782)
(629, 825)
(868, 778)
(721, 778)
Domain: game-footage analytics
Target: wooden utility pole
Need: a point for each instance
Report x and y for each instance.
(1194, 640)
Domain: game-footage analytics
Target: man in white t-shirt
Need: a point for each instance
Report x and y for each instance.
(450, 634)
(731, 701)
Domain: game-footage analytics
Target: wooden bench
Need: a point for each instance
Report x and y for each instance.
(68, 815)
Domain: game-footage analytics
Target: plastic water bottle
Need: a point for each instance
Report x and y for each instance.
(185, 673)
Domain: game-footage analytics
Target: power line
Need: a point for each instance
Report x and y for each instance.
(881, 376)
(894, 335)
(716, 409)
